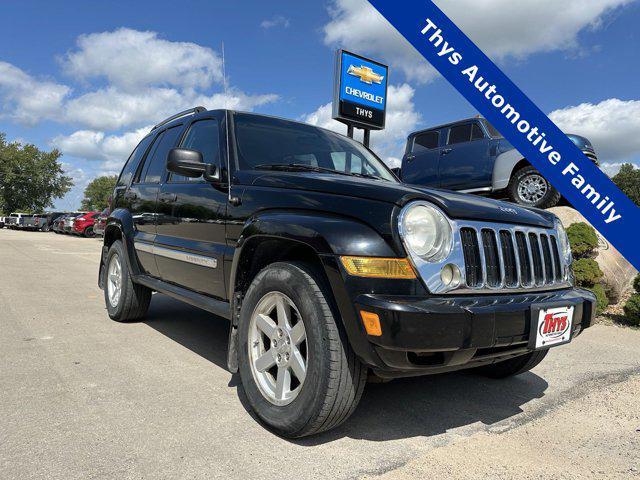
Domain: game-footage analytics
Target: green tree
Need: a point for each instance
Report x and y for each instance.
(97, 193)
(628, 180)
(30, 178)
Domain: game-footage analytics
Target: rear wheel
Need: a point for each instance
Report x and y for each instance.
(297, 368)
(528, 187)
(125, 300)
(89, 232)
(512, 367)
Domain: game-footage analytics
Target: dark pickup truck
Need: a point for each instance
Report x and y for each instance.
(329, 269)
(471, 156)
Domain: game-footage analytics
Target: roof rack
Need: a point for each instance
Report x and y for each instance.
(178, 115)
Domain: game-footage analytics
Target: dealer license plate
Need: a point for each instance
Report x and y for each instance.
(554, 326)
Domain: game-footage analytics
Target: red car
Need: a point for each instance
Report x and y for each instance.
(83, 225)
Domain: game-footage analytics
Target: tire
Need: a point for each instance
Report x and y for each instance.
(88, 232)
(515, 366)
(133, 301)
(335, 378)
(543, 195)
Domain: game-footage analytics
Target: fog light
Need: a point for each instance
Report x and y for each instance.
(450, 275)
(371, 323)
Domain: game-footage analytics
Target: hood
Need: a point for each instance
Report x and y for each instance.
(580, 142)
(455, 205)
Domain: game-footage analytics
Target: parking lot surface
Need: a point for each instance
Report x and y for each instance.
(84, 397)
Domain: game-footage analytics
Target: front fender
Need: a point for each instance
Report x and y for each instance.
(503, 168)
(120, 224)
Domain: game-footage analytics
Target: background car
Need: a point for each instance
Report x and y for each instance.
(83, 224)
(471, 156)
(1, 222)
(101, 222)
(15, 220)
(67, 227)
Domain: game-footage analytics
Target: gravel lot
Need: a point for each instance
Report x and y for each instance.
(84, 397)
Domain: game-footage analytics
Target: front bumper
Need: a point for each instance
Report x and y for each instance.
(437, 334)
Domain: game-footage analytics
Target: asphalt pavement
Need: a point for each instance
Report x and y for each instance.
(82, 397)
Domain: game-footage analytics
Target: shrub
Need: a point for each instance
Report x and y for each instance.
(602, 301)
(582, 238)
(636, 283)
(587, 272)
(628, 180)
(632, 309)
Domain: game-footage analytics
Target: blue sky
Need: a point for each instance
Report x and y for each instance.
(90, 77)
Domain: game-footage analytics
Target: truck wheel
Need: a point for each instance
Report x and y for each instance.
(528, 187)
(512, 367)
(297, 368)
(125, 300)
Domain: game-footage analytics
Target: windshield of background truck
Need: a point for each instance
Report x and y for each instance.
(272, 141)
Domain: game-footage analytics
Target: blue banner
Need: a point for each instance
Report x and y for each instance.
(523, 124)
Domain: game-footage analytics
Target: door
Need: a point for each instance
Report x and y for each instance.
(420, 166)
(142, 196)
(465, 158)
(190, 241)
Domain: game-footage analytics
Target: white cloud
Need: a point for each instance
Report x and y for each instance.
(26, 99)
(96, 145)
(389, 143)
(131, 59)
(508, 28)
(275, 21)
(611, 125)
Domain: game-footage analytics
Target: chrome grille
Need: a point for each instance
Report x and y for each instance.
(510, 257)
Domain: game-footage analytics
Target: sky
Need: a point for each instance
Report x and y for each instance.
(91, 78)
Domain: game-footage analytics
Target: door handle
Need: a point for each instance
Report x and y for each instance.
(446, 151)
(168, 197)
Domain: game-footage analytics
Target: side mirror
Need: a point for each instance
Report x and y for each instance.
(188, 163)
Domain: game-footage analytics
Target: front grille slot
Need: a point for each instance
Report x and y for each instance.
(510, 257)
(492, 264)
(556, 259)
(471, 251)
(537, 259)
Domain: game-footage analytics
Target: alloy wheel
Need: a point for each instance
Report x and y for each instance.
(532, 189)
(278, 353)
(114, 280)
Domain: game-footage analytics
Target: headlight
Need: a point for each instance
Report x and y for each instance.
(426, 232)
(564, 241)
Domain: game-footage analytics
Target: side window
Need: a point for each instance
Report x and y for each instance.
(459, 134)
(131, 166)
(203, 136)
(426, 141)
(340, 160)
(476, 132)
(156, 163)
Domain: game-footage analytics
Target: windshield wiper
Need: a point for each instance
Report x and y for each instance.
(292, 167)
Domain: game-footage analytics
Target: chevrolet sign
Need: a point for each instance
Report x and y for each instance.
(360, 92)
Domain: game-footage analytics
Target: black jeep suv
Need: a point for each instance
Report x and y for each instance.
(328, 268)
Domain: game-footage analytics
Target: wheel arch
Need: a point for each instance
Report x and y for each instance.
(505, 166)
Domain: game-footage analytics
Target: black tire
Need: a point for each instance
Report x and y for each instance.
(550, 198)
(515, 366)
(88, 232)
(335, 378)
(134, 298)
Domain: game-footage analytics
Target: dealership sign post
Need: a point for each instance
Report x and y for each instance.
(360, 93)
(521, 122)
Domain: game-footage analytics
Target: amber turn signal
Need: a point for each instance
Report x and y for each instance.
(371, 323)
(377, 267)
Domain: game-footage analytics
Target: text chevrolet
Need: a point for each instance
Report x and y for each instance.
(328, 268)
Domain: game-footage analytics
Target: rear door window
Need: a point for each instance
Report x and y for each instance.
(156, 163)
(131, 166)
(426, 141)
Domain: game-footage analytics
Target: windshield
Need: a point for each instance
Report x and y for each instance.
(265, 141)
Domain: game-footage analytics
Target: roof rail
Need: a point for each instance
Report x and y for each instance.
(178, 115)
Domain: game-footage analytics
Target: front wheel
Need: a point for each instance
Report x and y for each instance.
(297, 368)
(515, 366)
(528, 187)
(125, 300)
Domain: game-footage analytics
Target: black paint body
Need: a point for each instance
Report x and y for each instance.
(252, 217)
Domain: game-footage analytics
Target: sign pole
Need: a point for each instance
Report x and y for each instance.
(367, 137)
(350, 130)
